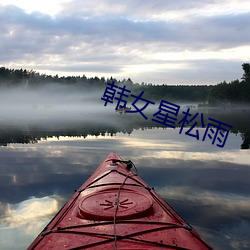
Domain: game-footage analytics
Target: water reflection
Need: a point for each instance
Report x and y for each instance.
(31, 210)
(21, 221)
(111, 123)
(207, 185)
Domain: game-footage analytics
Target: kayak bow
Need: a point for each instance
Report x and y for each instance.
(116, 209)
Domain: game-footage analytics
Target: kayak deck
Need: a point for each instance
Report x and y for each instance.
(116, 209)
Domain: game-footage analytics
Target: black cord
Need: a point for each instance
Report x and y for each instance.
(129, 164)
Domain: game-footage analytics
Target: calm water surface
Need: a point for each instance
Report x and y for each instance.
(41, 166)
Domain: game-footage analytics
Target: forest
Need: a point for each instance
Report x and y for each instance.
(224, 93)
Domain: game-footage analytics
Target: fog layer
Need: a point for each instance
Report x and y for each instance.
(51, 103)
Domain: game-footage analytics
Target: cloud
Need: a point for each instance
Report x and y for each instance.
(125, 40)
(123, 30)
(147, 9)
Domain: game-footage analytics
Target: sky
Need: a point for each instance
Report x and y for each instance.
(159, 42)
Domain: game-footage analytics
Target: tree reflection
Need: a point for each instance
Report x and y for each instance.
(240, 121)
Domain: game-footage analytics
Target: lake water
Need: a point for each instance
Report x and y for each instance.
(44, 161)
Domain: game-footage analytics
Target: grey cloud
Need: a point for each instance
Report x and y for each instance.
(98, 39)
(202, 32)
(134, 8)
(219, 31)
(209, 71)
(83, 68)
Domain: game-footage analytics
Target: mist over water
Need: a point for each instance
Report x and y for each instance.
(52, 103)
(29, 114)
(60, 103)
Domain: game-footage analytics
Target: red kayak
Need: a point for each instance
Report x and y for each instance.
(116, 209)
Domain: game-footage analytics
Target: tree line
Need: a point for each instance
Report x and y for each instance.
(236, 91)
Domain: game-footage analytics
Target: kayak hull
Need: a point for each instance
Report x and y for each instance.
(116, 209)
